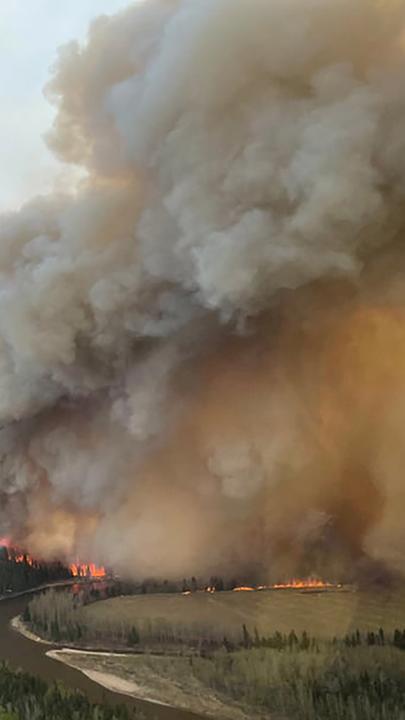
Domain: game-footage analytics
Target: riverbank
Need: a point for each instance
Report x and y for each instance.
(25, 652)
(38, 588)
(146, 678)
(131, 674)
(18, 624)
(107, 680)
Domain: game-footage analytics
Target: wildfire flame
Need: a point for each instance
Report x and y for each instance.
(14, 553)
(23, 558)
(308, 584)
(87, 570)
(311, 583)
(77, 569)
(244, 588)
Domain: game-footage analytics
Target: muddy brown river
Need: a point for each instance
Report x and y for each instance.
(30, 656)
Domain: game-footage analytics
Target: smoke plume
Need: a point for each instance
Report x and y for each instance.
(202, 350)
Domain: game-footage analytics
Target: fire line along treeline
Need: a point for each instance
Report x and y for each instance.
(20, 572)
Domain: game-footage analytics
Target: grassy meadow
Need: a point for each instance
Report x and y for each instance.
(324, 615)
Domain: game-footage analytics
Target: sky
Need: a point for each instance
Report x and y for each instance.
(30, 33)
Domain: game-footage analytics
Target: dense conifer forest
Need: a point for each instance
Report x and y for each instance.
(23, 573)
(25, 697)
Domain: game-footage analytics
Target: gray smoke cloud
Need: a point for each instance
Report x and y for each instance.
(201, 349)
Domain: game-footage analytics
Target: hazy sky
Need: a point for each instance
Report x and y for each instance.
(30, 33)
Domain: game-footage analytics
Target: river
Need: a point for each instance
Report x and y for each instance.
(30, 656)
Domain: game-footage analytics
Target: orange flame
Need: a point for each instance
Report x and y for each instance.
(24, 558)
(87, 570)
(16, 554)
(244, 588)
(77, 569)
(308, 584)
(311, 583)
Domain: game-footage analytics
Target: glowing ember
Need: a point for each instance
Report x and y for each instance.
(87, 570)
(244, 588)
(210, 589)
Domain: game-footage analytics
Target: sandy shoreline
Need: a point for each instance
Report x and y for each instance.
(17, 623)
(146, 684)
(110, 682)
(107, 680)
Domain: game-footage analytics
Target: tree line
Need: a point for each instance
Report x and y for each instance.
(24, 573)
(58, 616)
(330, 681)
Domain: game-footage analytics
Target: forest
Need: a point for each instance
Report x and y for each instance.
(357, 676)
(25, 697)
(23, 573)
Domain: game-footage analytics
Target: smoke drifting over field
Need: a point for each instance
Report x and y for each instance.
(202, 351)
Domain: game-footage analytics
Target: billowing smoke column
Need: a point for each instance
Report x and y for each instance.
(202, 351)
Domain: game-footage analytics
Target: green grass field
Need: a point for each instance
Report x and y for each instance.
(325, 614)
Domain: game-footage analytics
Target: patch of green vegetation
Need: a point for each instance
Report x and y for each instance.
(334, 681)
(25, 697)
(362, 683)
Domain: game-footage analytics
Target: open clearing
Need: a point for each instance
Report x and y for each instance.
(323, 615)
